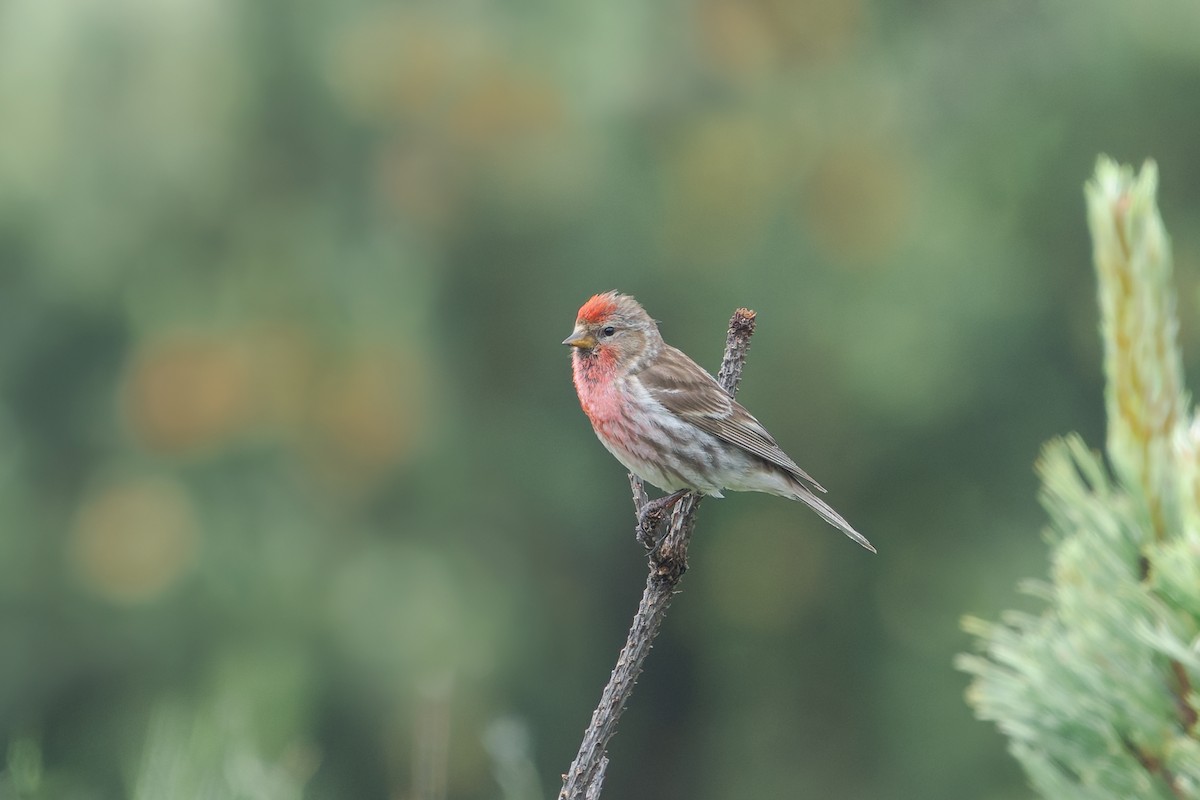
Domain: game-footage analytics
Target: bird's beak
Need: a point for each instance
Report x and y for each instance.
(579, 338)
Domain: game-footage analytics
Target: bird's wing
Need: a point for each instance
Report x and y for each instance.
(687, 391)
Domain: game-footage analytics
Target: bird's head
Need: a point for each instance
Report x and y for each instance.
(612, 325)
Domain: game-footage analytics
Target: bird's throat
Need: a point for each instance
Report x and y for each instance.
(595, 374)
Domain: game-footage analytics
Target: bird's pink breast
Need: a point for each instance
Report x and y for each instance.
(626, 424)
(596, 385)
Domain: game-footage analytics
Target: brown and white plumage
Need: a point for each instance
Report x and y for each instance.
(668, 421)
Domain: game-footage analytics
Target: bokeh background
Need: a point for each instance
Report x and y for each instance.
(297, 500)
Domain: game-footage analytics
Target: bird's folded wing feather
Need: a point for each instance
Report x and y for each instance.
(687, 391)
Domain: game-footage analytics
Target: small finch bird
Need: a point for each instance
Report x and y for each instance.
(668, 421)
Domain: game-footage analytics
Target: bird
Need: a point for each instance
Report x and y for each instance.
(669, 422)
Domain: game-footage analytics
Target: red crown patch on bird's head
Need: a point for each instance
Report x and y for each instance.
(599, 307)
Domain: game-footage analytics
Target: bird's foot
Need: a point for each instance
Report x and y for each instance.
(652, 515)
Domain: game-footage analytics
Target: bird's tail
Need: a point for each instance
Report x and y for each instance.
(806, 496)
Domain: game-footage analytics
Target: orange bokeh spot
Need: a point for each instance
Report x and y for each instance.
(187, 393)
(368, 415)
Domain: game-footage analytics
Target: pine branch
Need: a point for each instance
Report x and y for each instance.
(668, 562)
(1096, 693)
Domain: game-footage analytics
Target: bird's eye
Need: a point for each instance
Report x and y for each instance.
(608, 331)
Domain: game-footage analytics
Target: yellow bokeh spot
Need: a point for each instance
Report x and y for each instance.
(858, 201)
(133, 540)
(721, 183)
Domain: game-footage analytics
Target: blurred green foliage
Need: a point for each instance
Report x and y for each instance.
(297, 498)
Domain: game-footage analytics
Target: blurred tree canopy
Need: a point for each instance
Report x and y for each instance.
(297, 498)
